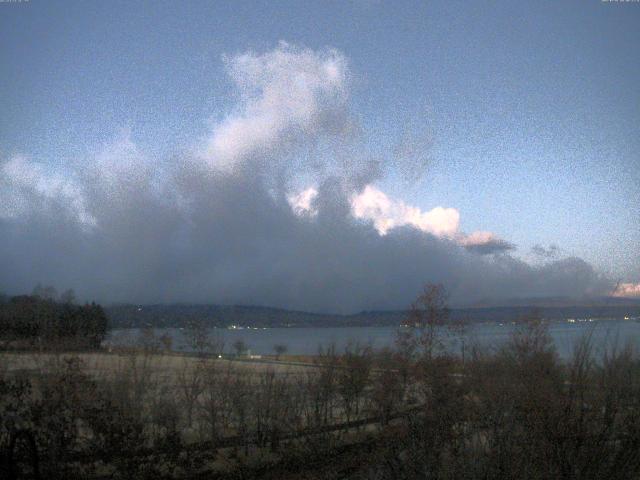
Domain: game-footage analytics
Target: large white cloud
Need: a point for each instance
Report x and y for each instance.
(386, 213)
(285, 94)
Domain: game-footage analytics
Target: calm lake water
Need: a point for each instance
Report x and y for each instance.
(605, 333)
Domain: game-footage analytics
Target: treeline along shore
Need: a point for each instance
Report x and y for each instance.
(413, 411)
(39, 320)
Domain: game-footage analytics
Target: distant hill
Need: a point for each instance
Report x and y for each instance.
(159, 316)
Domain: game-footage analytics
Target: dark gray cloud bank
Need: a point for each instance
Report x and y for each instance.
(220, 223)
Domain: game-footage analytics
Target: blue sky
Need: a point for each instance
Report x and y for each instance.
(529, 111)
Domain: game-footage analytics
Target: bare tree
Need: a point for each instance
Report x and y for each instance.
(353, 378)
(427, 318)
(388, 386)
(280, 349)
(166, 341)
(320, 386)
(148, 341)
(216, 398)
(240, 347)
(191, 385)
(196, 334)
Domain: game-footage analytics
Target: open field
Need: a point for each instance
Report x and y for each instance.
(165, 364)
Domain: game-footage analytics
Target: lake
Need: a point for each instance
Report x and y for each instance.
(305, 341)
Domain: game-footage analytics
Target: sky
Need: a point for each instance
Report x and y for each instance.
(329, 156)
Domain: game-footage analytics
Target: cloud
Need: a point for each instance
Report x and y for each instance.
(27, 189)
(286, 94)
(627, 290)
(552, 252)
(484, 243)
(222, 226)
(386, 213)
(302, 202)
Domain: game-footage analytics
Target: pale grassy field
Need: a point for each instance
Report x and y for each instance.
(161, 364)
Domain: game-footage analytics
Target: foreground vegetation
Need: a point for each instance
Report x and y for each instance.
(412, 412)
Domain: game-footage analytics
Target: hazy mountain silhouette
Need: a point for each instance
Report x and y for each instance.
(179, 315)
